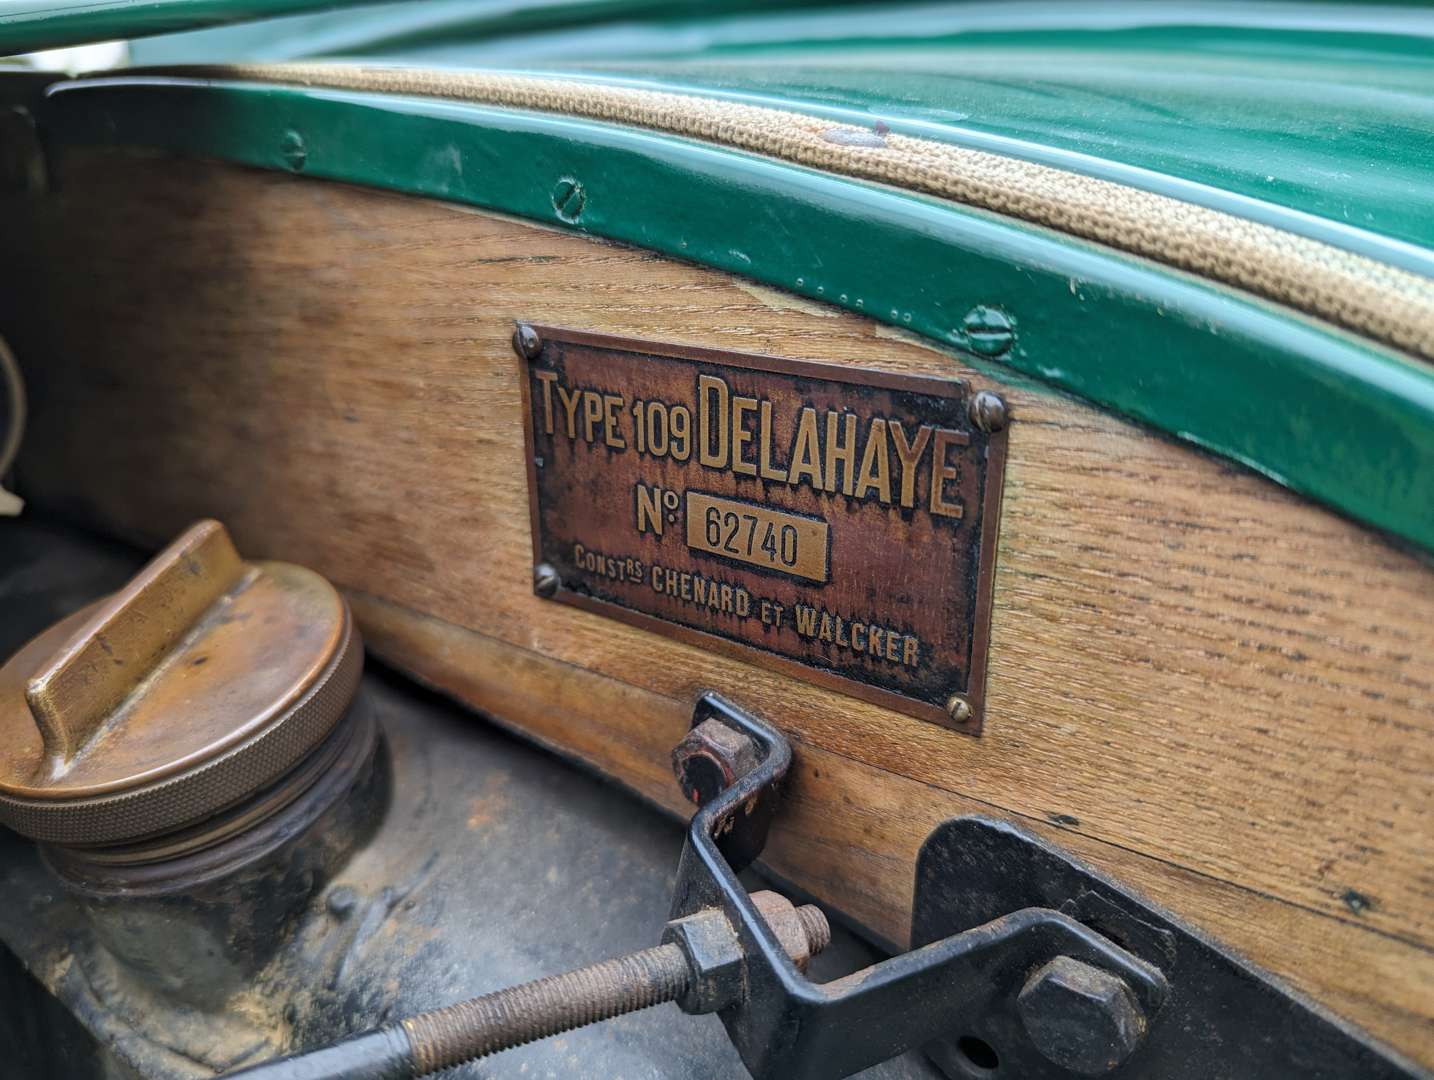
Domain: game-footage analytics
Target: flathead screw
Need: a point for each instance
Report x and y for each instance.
(293, 151)
(569, 198)
(546, 581)
(988, 411)
(526, 342)
(958, 708)
(987, 331)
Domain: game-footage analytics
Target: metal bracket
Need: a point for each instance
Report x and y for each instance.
(1222, 1017)
(985, 987)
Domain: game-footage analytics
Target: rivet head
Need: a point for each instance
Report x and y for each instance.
(526, 342)
(987, 331)
(293, 150)
(988, 411)
(546, 581)
(958, 708)
(569, 198)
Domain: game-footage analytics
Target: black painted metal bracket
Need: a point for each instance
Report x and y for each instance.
(993, 907)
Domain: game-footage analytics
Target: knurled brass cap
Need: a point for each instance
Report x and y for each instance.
(200, 683)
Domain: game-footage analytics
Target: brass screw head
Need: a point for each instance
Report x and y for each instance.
(526, 342)
(546, 580)
(958, 708)
(988, 411)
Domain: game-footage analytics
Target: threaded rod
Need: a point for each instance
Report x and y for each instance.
(534, 1010)
(472, 1029)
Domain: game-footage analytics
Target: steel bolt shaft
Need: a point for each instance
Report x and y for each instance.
(534, 1010)
(472, 1029)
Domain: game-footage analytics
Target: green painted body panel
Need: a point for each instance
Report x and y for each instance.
(1323, 412)
(27, 25)
(1314, 117)
(1324, 111)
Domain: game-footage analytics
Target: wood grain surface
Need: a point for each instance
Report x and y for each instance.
(1197, 682)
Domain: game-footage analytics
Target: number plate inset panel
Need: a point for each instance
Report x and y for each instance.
(838, 525)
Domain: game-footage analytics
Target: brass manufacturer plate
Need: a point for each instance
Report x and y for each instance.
(837, 525)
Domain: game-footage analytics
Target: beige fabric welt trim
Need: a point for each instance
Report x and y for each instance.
(1383, 302)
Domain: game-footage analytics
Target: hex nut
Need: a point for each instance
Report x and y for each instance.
(714, 954)
(710, 759)
(1080, 1017)
(803, 932)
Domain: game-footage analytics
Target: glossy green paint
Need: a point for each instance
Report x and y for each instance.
(1318, 410)
(28, 25)
(1316, 117)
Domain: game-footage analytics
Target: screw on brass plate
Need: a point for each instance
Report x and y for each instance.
(958, 708)
(988, 411)
(569, 198)
(987, 330)
(526, 342)
(546, 581)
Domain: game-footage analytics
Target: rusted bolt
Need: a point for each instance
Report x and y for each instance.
(569, 198)
(699, 965)
(711, 759)
(988, 411)
(987, 330)
(714, 951)
(1080, 1017)
(526, 342)
(546, 580)
(802, 931)
(958, 708)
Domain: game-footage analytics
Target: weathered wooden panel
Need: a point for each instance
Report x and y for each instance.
(1199, 682)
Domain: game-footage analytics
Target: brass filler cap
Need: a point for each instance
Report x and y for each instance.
(200, 683)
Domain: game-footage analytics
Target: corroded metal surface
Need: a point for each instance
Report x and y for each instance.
(198, 684)
(495, 863)
(833, 523)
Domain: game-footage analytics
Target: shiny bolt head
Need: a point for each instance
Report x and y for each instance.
(711, 759)
(988, 411)
(546, 581)
(569, 199)
(958, 708)
(987, 331)
(1080, 1017)
(526, 342)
